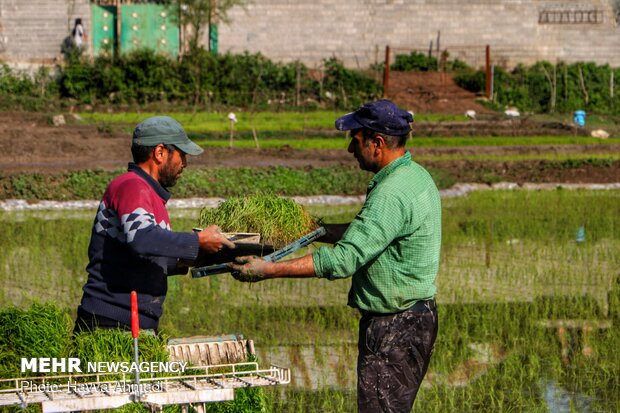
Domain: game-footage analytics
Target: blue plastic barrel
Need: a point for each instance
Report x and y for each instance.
(579, 117)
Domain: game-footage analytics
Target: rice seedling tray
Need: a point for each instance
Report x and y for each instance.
(96, 391)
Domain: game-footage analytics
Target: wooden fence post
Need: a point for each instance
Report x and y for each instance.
(386, 72)
(488, 70)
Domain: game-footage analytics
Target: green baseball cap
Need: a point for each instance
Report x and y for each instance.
(164, 129)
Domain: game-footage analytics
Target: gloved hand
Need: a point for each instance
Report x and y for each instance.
(250, 268)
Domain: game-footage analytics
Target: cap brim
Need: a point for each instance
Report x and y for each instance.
(348, 122)
(189, 148)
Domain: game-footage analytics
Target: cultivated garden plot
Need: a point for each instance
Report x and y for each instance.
(89, 151)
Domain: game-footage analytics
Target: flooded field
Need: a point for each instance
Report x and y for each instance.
(529, 304)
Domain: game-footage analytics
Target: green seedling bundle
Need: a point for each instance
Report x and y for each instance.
(280, 221)
(117, 345)
(45, 331)
(41, 331)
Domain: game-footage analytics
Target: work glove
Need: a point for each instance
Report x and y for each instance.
(249, 268)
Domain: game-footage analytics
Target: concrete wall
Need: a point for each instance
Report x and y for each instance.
(357, 31)
(32, 31)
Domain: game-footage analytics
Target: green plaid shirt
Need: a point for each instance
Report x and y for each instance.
(391, 249)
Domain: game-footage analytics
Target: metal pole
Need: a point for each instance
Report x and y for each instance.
(492, 80)
(135, 332)
(488, 70)
(118, 27)
(386, 72)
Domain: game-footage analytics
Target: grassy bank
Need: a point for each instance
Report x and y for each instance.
(213, 182)
(511, 268)
(333, 180)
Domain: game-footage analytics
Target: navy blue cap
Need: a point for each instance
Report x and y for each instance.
(382, 116)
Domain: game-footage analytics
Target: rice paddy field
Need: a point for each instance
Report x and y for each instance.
(529, 304)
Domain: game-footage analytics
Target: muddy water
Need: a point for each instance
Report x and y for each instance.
(315, 367)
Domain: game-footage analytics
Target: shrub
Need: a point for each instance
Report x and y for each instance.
(23, 91)
(474, 81)
(547, 87)
(349, 88)
(414, 61)
(246, 80)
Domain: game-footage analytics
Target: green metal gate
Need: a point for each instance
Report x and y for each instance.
(103, 28)
(150, 26)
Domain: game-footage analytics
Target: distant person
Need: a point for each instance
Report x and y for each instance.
(391, 251)
(132, 246)
(79, 35)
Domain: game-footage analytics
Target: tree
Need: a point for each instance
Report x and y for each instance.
(204, 14)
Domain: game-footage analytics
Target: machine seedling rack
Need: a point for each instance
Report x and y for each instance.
(96, 391)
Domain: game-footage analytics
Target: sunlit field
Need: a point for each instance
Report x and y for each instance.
(528, 299)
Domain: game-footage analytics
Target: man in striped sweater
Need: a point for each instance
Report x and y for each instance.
(132, 246)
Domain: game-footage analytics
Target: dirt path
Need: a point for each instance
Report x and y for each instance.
(431, 92)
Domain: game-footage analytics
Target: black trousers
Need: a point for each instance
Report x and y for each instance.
(89, 322)
(394, 352)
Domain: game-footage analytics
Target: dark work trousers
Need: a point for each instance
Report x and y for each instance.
(394, 352)
(89, 322)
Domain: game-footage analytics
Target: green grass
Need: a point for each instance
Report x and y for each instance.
(340, 142)
(602, 158)
(313, 130)
(227, 182)
(508, 141)
(195, 182)
(510, 261)
(593, 121)
(202, 182)
(275, 143)
(261, 121)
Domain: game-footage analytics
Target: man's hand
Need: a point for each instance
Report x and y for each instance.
(212, 241)
(250, 268)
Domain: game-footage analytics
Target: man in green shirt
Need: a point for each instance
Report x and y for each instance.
(391, 251)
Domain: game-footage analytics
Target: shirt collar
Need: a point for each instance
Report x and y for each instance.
(388, 169)
(160, 190)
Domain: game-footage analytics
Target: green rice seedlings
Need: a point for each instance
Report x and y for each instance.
(115, 345)
(280, 221)
(42, 330)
